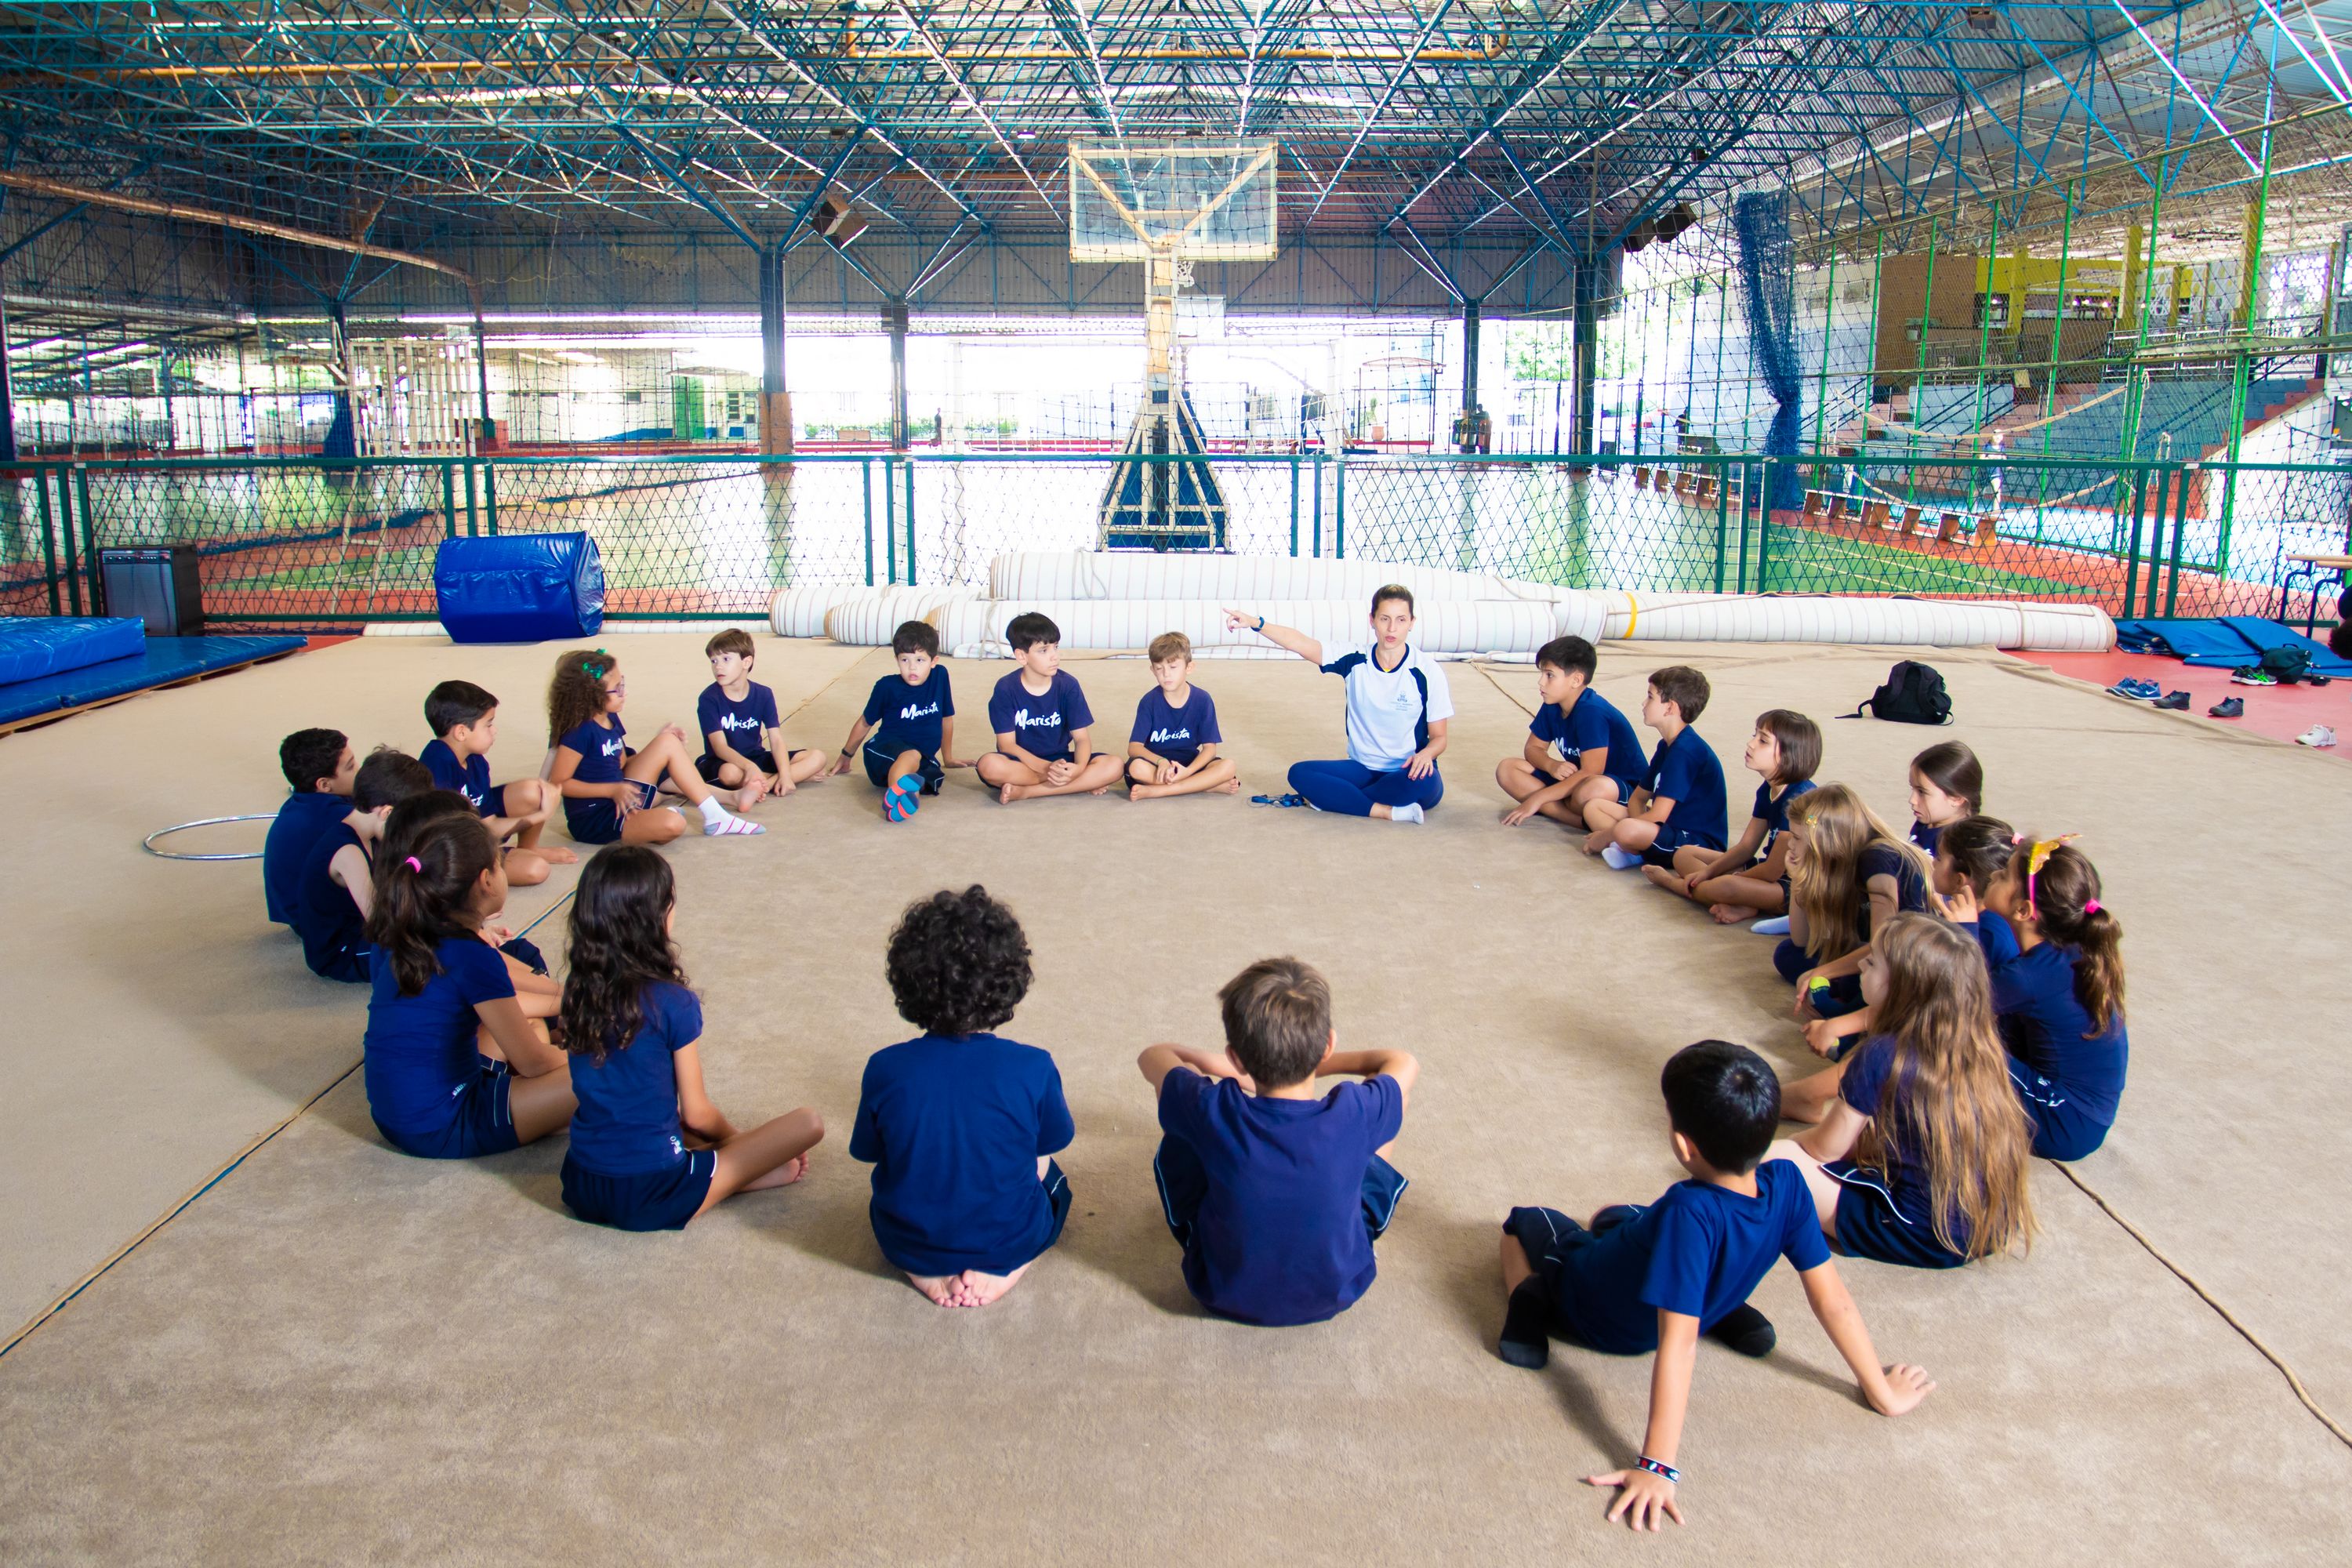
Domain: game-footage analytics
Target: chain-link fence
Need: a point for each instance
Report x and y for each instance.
(308, 543)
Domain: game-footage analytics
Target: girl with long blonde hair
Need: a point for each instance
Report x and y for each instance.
(1921, 1160)
(1849, 872)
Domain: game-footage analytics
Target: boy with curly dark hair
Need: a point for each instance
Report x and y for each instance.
(960, 1125)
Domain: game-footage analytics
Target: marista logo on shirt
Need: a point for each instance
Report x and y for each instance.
(1160, 735)
(917, 710)
(1021, 721)
(731, 722)
(611, 748)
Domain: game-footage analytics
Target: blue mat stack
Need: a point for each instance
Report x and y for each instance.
(51, 663)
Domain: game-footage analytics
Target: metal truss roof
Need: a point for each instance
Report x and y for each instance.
(1527, 121)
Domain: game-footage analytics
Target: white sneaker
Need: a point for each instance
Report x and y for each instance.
(2318, 735)
(1617, 859)
(1775, 925)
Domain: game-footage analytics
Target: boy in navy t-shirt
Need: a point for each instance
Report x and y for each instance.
(1275, 1189)
(1680, 800)
(742, 738)
(1600, 755)
(906, 735)
(321, 765)
(1172, 749)
(464, 720)
(1655, 1278)
(337, 886)
(1042, 723)
(960, 1125)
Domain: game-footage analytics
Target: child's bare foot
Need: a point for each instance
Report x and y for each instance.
(1231, 786)
(1105, 790)
(1660, 877)
(749, 796)
(1730, 914)
(979, 1290)
(555, 856)
(784, 1175)
(1142, 792)
(942, 1289)
(1011, 793)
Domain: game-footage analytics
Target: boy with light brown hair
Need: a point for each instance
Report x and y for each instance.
(1173, 747)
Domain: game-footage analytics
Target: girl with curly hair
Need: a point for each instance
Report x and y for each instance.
(606, 786)
(960, 1124)
(649, 1152)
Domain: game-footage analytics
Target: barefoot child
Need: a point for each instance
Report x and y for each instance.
(741, 734)
(1679, 802)
(456, 1064)
(2055, 956)
(1751, 878)
(465, 722)
(607, 788)
(634, 1031)
(1599, 756)
(907, 730)
(1172, 749)
(1848, 875)
(960, 1124)
(1044, 728)
(337, 886)
(321, 765)
(1653, 1279)
(1276, 1189)
(1946, 785)
(1921, 1158)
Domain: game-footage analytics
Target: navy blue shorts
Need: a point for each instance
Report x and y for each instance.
(1183, 1184)
(649, 1200)
(1670, 838)
(599, 821)
(1624, 786)
(1870, 1226)
(480, 1121)
(707, 766)
(2061, 1132)
(1549, 1236)
(877, 768)
(1844, 993)
(526, 951)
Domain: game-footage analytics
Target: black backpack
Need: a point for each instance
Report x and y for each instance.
(1913, 694)
(2287, 663)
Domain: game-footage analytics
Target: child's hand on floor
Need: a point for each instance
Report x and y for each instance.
(1906, 1387)
(841, 764)
(1646, 1499)
(1518, 814)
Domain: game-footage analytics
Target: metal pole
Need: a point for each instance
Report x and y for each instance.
(1339, 509)
(66, 533)
(1821, 386)
(448, 500)
(2253, 296)
(1984, 344)
(865, 479)
(473, 512)
(1722, 520)
(2179, 533)
(489, 437)
(2138, 481)
(1318, 505)
(910, 521)
(89, 534)
(1919, 382)
(890, 517)
(2057, 338)
(491, 496)
(48, 536)
(1294, 506)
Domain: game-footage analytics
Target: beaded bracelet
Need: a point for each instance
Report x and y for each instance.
(1657, 1468)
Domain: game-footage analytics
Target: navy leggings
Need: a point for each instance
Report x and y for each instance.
(1352, 789)
(1844, 995)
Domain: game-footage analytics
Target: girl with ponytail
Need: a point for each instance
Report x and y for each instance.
(1921, 1159)
(635, 1030)
(456, 1063)
(2055, 954)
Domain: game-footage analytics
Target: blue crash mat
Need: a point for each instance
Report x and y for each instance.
(2224, 644)
(35, 646)
(162, 660)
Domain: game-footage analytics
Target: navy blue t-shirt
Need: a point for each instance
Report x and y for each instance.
(325, 917)
(745, 724)
(1865, 1086)
(1925, 837)
(1773, 811)
(421, 1051)
(1700, 1250)
(1687, 770)
(1592, 724)
(1280, 1235)
(1176, 734)
(1041, 726)
(627, 1121)
(298, 825)
(907, 718)
(1882, 859)
(603, 752)
(470, 778)
(953, 1129)
(2044, 1025)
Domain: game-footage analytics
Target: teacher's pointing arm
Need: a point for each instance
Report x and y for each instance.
(1298, 642)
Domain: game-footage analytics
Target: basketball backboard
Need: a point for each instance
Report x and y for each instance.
(1190, 201)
